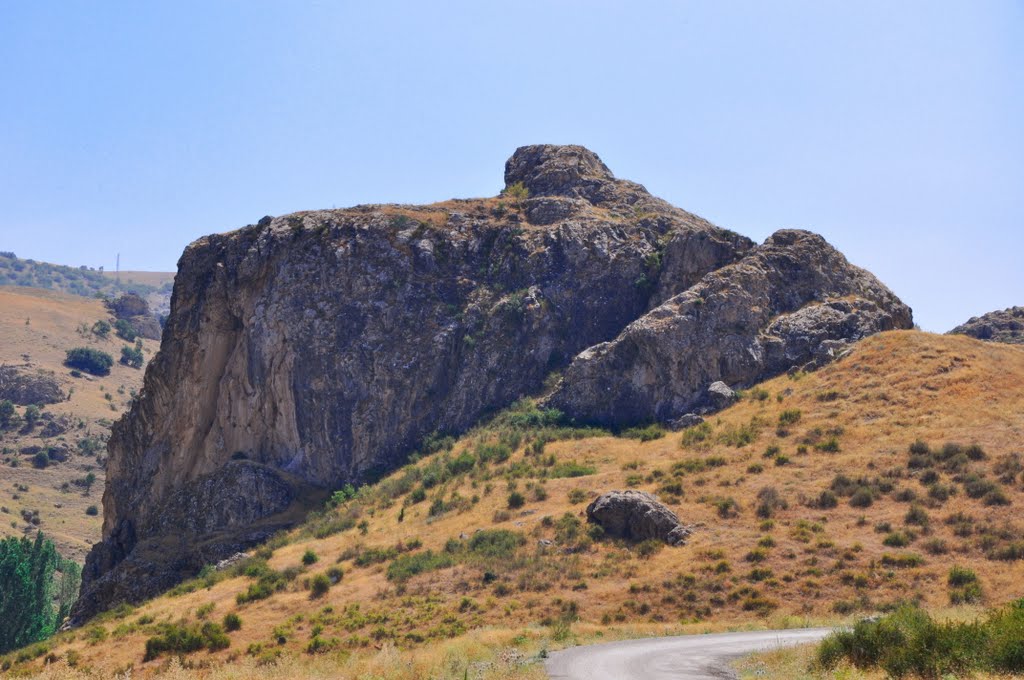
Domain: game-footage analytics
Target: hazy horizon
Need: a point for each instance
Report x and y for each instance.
(894, 131)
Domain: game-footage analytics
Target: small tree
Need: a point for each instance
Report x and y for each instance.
(7, 414)
(101, 328)
(132, 356)
(124, 330)
(31, 416)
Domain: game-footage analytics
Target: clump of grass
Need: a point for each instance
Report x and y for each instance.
(644, 434)
(572, 469)
(964, 586)
(180, 639)
(741, 435)
(789, 417)
(694, 437)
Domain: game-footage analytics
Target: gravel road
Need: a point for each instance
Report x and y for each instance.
(688, 657)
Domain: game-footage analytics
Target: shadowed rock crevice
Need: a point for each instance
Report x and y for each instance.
(326, 345)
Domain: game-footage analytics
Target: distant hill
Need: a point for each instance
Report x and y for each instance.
(37, 328)
(86, 281)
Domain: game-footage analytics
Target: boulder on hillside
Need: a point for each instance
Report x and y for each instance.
(720, 395)
(24, 387)
(147, 326)
(637, 516)
(128, 305)
(1003, 326)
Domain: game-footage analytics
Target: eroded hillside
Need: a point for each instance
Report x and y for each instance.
(818, 495)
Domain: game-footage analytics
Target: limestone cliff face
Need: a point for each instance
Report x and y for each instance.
(318, 348)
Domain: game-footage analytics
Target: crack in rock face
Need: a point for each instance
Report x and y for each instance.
(320, 348)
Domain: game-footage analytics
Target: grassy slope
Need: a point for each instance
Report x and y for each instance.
(41, 343)
(824, 563)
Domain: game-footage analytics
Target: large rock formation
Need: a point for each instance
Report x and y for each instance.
(791, 302)
(319, 348)
(1004, 326)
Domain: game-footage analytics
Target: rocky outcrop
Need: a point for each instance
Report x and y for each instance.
(636, 516)
(1004, 326)
(25, 386)
(792, 302)
(135, 310)
(146, 325)
(324, 346)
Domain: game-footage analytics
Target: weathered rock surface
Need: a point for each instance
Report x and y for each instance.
(720, 395)
(793, 301)
(146, 325)
(637, 516)
(25, 386)
(1003, 326)
(324, 346)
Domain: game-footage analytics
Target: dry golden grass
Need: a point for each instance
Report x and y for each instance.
(891, 390)
(37, 327)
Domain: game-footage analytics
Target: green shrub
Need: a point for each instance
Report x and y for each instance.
(644, 434)
(125, 330)
(917, 515)
(909, 643)
(727, 508)
(789, 417)
(516, 500)
(406, 566)
(101, 328)
(961, 576)
(232, 622)
(696, 435)
(89, 360)
(572, 469)
(309, 557)
(769, 501)
(862, 498)
(180, 639)
(132, 356)
(577, 496)
(826, 500)
(897, 540)
(319, 585)
(830, 445)
(497, 544)
(902, 560)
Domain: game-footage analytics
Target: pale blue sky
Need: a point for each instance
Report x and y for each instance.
(895, 129)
